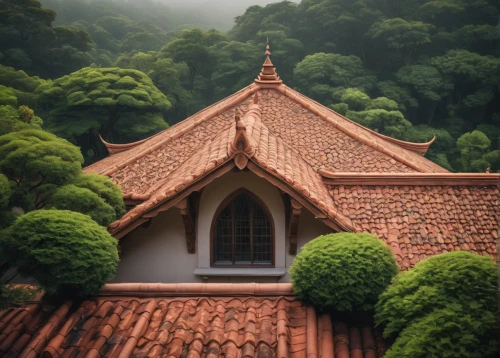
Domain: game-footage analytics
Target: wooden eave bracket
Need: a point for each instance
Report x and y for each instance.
(189, 223)
(295, 211)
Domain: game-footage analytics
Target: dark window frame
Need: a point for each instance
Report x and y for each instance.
(220, 208)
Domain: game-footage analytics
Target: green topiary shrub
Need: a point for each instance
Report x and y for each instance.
(444, 304)
(63, 250)
(345, 271)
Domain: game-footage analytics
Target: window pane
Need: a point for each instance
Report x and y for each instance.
(223, 238)
(242, 248)
(261, 236)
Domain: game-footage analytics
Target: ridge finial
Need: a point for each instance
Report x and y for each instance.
(268, 76)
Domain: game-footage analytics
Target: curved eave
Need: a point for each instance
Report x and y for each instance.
(420, 148)
(118, 148)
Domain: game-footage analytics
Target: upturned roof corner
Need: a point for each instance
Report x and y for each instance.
(268, 78)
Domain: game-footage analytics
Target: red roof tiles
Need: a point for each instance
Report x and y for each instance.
(277, 325)
(418, 221)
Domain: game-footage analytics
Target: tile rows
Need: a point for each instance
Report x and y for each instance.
(174, 327)
(321, 144)
(275, 156)
(18, 325)
(313, 138)
(195, 327)
(271, 154)
(420, 221)
(376, 139)
(213, 153)
(156, 166)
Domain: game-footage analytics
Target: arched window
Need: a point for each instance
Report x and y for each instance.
(242, 232)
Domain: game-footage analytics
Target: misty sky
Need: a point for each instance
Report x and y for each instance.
(225, 9)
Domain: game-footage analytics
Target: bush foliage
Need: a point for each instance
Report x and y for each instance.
(93, 195)
(344, 271)
(64, 251)
(445, 307)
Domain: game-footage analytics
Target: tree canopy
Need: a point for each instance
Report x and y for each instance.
(121, 105)
(39, 171)
(437, 60)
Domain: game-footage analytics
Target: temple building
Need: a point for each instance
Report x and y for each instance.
(220, 204)
(233, 192)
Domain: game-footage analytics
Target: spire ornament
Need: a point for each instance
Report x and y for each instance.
(268, 77)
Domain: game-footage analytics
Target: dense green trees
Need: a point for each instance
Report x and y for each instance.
(37, 162)
(29, 42)
(437, 60)
(93, 195)
(121, 105)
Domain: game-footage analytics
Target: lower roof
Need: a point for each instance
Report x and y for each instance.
(188, 321)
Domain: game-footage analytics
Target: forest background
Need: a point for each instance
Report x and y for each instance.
(125, 70)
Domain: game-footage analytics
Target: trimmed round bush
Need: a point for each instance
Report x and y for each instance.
(343, 272)
(418, 308)
(63, 250)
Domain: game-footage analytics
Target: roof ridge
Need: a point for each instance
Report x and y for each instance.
(316, 107)
(198, 289)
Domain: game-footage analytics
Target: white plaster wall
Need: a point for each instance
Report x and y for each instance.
(159, 254)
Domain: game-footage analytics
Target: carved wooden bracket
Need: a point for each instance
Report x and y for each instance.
(295, 210)
(189, 224)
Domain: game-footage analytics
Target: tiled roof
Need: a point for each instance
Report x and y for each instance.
(418, 221)
(152, 160)
(235, 325)
(267, 152)
(298, 144)
(323, 138)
